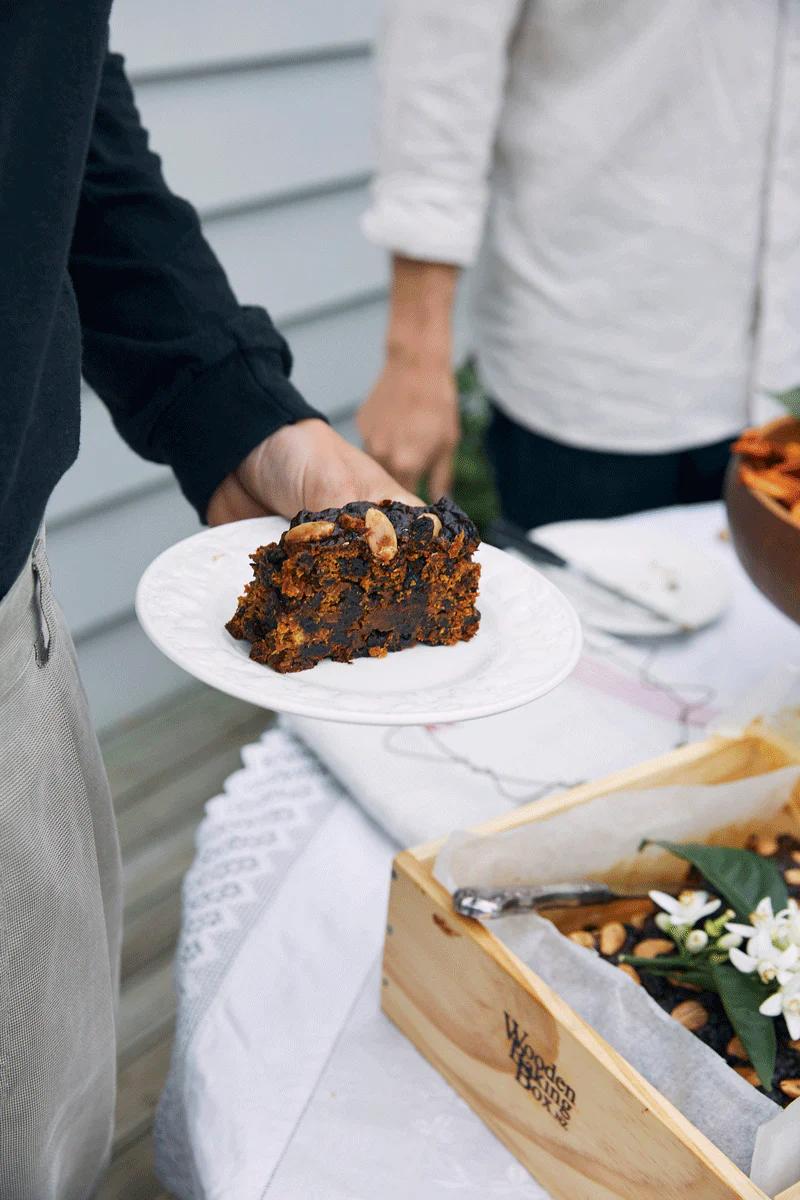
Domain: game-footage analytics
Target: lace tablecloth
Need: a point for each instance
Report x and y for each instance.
(286, 1082)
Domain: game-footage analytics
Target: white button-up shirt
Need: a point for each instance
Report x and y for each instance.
(627, 173)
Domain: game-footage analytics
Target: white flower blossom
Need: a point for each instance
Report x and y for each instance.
(786, 1001)
(791, 920)
(773, 942)
(768, 946)
(696, 941)
(686, 909)
(773, 963)
(762, 918)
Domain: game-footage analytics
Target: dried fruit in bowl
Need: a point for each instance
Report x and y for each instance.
(772, 468)
(772, 483)
(752, 444)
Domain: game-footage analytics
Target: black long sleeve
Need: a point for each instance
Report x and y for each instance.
(191, 378)
(94, 246)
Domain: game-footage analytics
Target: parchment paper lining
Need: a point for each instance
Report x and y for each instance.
(599, 840)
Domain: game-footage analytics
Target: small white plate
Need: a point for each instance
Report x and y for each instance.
(690, 584)
(528, 642)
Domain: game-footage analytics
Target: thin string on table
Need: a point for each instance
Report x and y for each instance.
(500, 779)
(701, 696)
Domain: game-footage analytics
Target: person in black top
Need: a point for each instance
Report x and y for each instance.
(102, 270)
(94, 245)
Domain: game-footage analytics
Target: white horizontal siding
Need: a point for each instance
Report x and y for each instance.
(234, 139)
(111, 548)
(123, 673)
(182, 34)
(294, 258)
(338, 356)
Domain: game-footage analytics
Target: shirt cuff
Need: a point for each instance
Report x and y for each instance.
(224, 414)
(427, 221)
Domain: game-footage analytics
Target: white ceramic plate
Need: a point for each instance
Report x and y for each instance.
(528, 642)
(689, 583)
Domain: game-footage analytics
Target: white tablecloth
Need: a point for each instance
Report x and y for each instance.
(286, 1082)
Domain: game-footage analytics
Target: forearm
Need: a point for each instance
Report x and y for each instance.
(420, 327)
(409, 422)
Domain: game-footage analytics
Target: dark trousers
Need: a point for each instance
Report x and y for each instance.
(540, 480)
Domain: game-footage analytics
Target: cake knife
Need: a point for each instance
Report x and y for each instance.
(488, 902)
(505, 534)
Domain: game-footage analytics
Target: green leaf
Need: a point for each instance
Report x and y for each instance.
(473, 478)
(741, 996)
(790, 400)
(667, 962)
(688, 970)
(701, 976)
(739, 876)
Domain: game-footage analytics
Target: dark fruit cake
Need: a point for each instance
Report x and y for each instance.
(360, 580)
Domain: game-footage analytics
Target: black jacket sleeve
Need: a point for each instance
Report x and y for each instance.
(191, 378)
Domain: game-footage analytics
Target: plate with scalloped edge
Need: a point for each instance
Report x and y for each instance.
(528, 642)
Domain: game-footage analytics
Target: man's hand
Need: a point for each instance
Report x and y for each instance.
(306, 465)
(410, 423)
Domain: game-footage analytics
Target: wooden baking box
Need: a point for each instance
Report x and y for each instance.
(596, 1130)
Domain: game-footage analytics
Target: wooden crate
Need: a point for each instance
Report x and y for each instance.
(572, 1110)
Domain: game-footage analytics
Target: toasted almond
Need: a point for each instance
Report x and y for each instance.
(381, 535)
(435, 521)
(766, 844)
(612, 937)
(309, 531)
(630, 971)
(750, 1074)
(583, 938)
(796, 856)
(794, 1045)
(792, 875)
(652, 947)
(639, 921)
(735, 1048)
(790, 1087)
(690, 1014)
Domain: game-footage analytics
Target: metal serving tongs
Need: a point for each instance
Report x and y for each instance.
(488, 902)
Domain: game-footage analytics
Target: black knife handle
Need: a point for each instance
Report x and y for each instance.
(503, 533)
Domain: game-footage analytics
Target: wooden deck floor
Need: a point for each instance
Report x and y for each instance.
(163, 768)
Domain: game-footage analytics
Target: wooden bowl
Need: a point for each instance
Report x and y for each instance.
(766, 539)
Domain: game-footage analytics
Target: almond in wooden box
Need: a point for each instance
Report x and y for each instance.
(574, 1111)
